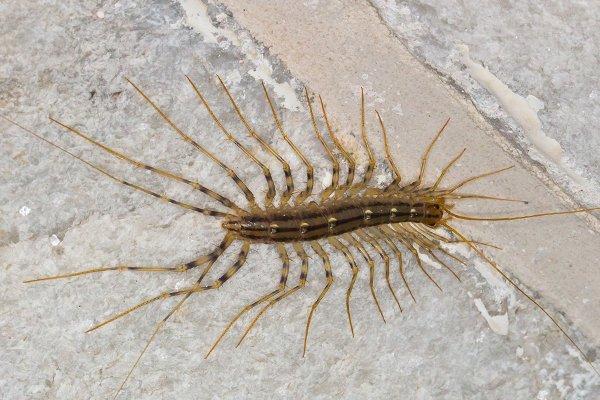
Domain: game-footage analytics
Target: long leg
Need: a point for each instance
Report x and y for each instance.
(513, 284)
(265, 170)
(211, 193)
(204, 211)
(474, 178)
(211, 257)
(247, 193)
(287, 171)
(406, 243)
(309, 168)
(363, 133)
(382, 235)
(446, 169)
(386, 262)
(285, 269)
(356, 244)
(425, 156)
(388, 156)
(301, 283)
(345, 153)
(329, 277)
(342, 247)
(188, 292)
(335, 164)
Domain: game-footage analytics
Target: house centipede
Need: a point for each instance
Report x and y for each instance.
(346, 214)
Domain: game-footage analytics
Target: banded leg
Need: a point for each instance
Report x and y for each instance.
(382, 235)
(187, 206)
(265, 170)
(329, 277)
(410, 247)
(388, 156)
(352, 262)
(386, 261)
(309, 168)
(240, 184)
(211, 257)
(345, 153)
(335, 164)
(188, 292)
(197, 186)
(301, 283)
(358, 246)
(287, 171)
(363, 133)
(285, 269)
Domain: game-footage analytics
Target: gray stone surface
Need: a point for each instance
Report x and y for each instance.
(70, 60)
(548, 50)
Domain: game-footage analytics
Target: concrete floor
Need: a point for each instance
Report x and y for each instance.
(478, 339)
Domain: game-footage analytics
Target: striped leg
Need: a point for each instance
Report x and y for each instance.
(341, 247)
(265, 170)
(382, 235)
(301, 283)
(386, 262)
(363, 133)
(216, 196)
(356, 244)
(335, 164)
(309, 168)
(345, 153)
(285, 269)
(204, 211)
(287, 171)
(240, 184)
(188, 292)
(388, 156)
(329, 278)
(209, 258)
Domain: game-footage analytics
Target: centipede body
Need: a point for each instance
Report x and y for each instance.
(349, 213)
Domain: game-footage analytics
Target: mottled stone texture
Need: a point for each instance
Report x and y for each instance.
(544, 49)
(69, 59)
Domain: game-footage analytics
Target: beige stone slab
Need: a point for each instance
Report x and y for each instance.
(335, 47)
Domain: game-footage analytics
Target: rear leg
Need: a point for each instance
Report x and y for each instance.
(285, 268)
(301, 283)
(211, 257)
(188, 292)
(363, 133)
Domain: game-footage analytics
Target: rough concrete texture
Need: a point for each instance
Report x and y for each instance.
(548, 50)
(477, 339)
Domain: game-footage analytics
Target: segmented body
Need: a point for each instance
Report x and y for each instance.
(334, 217)
(344, 215)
